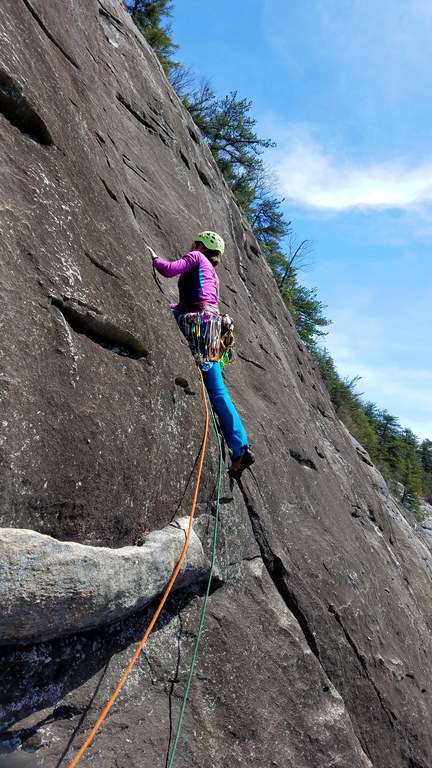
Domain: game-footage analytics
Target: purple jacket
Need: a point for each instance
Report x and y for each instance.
(198, 282)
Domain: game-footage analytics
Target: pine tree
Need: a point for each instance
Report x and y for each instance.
(389, 427)
(297, 255)
(228, 129)
(411, 471)
(200, 103)
(148, 15)
(268, 224)
(425, 453)
(306, 309)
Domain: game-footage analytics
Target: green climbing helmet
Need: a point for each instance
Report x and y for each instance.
(212, 241)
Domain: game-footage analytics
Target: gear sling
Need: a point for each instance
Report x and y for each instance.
(211, 341)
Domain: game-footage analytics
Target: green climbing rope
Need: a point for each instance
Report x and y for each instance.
(204, 608)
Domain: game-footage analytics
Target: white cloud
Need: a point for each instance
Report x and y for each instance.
(311, 177)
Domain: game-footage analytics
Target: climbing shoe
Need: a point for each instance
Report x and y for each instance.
(245, 460)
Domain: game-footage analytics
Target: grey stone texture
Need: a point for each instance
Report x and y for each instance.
(52, 588)
(317, 647)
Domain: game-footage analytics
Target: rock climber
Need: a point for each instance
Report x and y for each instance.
(198, 287)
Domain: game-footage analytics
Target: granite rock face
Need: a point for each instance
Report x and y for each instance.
(426, 524)
(317, 649)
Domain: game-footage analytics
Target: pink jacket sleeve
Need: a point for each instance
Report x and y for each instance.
(173, 268)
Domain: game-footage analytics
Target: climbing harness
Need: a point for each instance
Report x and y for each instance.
(209, 335)
(175, 573)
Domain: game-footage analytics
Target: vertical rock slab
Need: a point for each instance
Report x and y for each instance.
(318, 647)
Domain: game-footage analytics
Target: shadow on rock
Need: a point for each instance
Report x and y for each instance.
(38, 676)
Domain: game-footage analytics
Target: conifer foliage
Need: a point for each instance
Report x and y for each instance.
(228, 129)
(148, 15)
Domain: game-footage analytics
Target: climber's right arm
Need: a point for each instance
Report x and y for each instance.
(173, 268)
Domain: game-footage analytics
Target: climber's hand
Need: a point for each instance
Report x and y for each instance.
(152, 253)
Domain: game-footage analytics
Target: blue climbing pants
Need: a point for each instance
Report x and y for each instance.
(232, 427)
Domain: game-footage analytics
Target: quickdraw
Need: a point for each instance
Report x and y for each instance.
(209, 335)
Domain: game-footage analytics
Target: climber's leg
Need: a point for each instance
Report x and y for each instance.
(232, 427)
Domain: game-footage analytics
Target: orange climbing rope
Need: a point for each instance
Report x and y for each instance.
(142, 642)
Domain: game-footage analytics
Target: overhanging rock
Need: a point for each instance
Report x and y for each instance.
(51, 588)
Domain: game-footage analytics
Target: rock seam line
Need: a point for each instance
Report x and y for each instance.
(277, 571)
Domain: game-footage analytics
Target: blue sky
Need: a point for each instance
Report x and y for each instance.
(343, 87)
